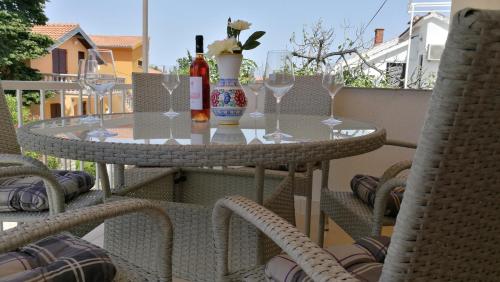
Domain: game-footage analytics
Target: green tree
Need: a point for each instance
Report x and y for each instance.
(246, 69)
(17, 43)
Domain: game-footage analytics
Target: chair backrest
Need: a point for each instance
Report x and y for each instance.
(448, 228)
(151, 96)
(8, 138)
(307, 97)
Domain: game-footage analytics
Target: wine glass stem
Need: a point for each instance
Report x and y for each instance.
(256, 101)
(331, 106)
(101, 100)
(278, 100)
(171, 101)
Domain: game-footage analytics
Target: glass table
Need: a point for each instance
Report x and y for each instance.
(152, 139)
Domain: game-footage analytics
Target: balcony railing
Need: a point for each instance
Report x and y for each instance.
(68, 77)
(63, 88)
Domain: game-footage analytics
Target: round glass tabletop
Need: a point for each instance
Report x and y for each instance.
(154, 139)
(155, 128)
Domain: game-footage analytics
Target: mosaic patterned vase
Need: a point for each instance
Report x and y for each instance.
(228, 101)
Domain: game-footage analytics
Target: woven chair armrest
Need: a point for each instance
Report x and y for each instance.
(400, 143)
(14, 159)
(316, 262)
(381, 203)
(33, 231)
(54, 190)
(394, 170)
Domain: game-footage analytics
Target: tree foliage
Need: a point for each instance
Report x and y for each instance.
(29, 11)
(317, 46)
(17, 43)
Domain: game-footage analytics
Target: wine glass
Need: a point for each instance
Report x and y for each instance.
(279, 78)
(256, 84)
(100, 76)
(333, 81)
(80, 79)
(170, 80)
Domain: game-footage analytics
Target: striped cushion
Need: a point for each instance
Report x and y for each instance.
(364, 259)
(29, 193)
(365, 188)
(60, 258)
(368, 272)
(377, 246)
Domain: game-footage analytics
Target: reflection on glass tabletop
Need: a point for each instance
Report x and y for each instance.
(155, 128)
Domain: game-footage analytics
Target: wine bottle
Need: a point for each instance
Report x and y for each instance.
(199, 85)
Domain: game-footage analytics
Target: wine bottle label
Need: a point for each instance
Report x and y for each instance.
(195, 93)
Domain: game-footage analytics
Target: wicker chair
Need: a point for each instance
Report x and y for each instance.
(447, 228)
(197, 190)
(14, 164)
(308, 97)
(146, 227)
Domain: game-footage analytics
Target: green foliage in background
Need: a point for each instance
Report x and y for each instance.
(12, 105)
(247, 67)
(52, 162)
(17, 43)
(88, 167)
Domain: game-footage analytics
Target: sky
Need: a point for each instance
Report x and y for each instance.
(174, 24)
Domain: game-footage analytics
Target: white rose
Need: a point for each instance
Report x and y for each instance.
(240, 25)
(222, 46)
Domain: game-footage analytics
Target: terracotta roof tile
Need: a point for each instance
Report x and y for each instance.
(54, 31)
(111, 41)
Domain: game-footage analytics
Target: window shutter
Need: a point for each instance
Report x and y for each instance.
(63, 65)
(55, 60)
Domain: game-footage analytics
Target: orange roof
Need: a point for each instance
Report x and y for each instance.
(54, 31)
(117, 41)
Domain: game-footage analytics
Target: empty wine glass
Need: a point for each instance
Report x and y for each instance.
(170, 80)
(256, 84)
(100, 76)
(279, 78)
(333, 81)
(80, 79)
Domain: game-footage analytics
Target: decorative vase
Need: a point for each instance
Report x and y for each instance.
(228, 101)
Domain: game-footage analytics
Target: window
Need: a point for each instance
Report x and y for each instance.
(55, 110)
(139, 63)
(396, 74)
(59, 61)
(84, 108)
(81, 55)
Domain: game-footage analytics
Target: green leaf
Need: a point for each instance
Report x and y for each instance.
(255, 36)
(250, 45)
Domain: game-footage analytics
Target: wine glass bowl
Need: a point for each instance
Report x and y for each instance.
(100, 76)
(256, 85)
(333, 82)
(279, 78)
(170, 81)
(80, 79)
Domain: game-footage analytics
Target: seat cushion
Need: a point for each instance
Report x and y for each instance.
(29, 193)
(365, 188)
(57, 258)
(364, 259)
